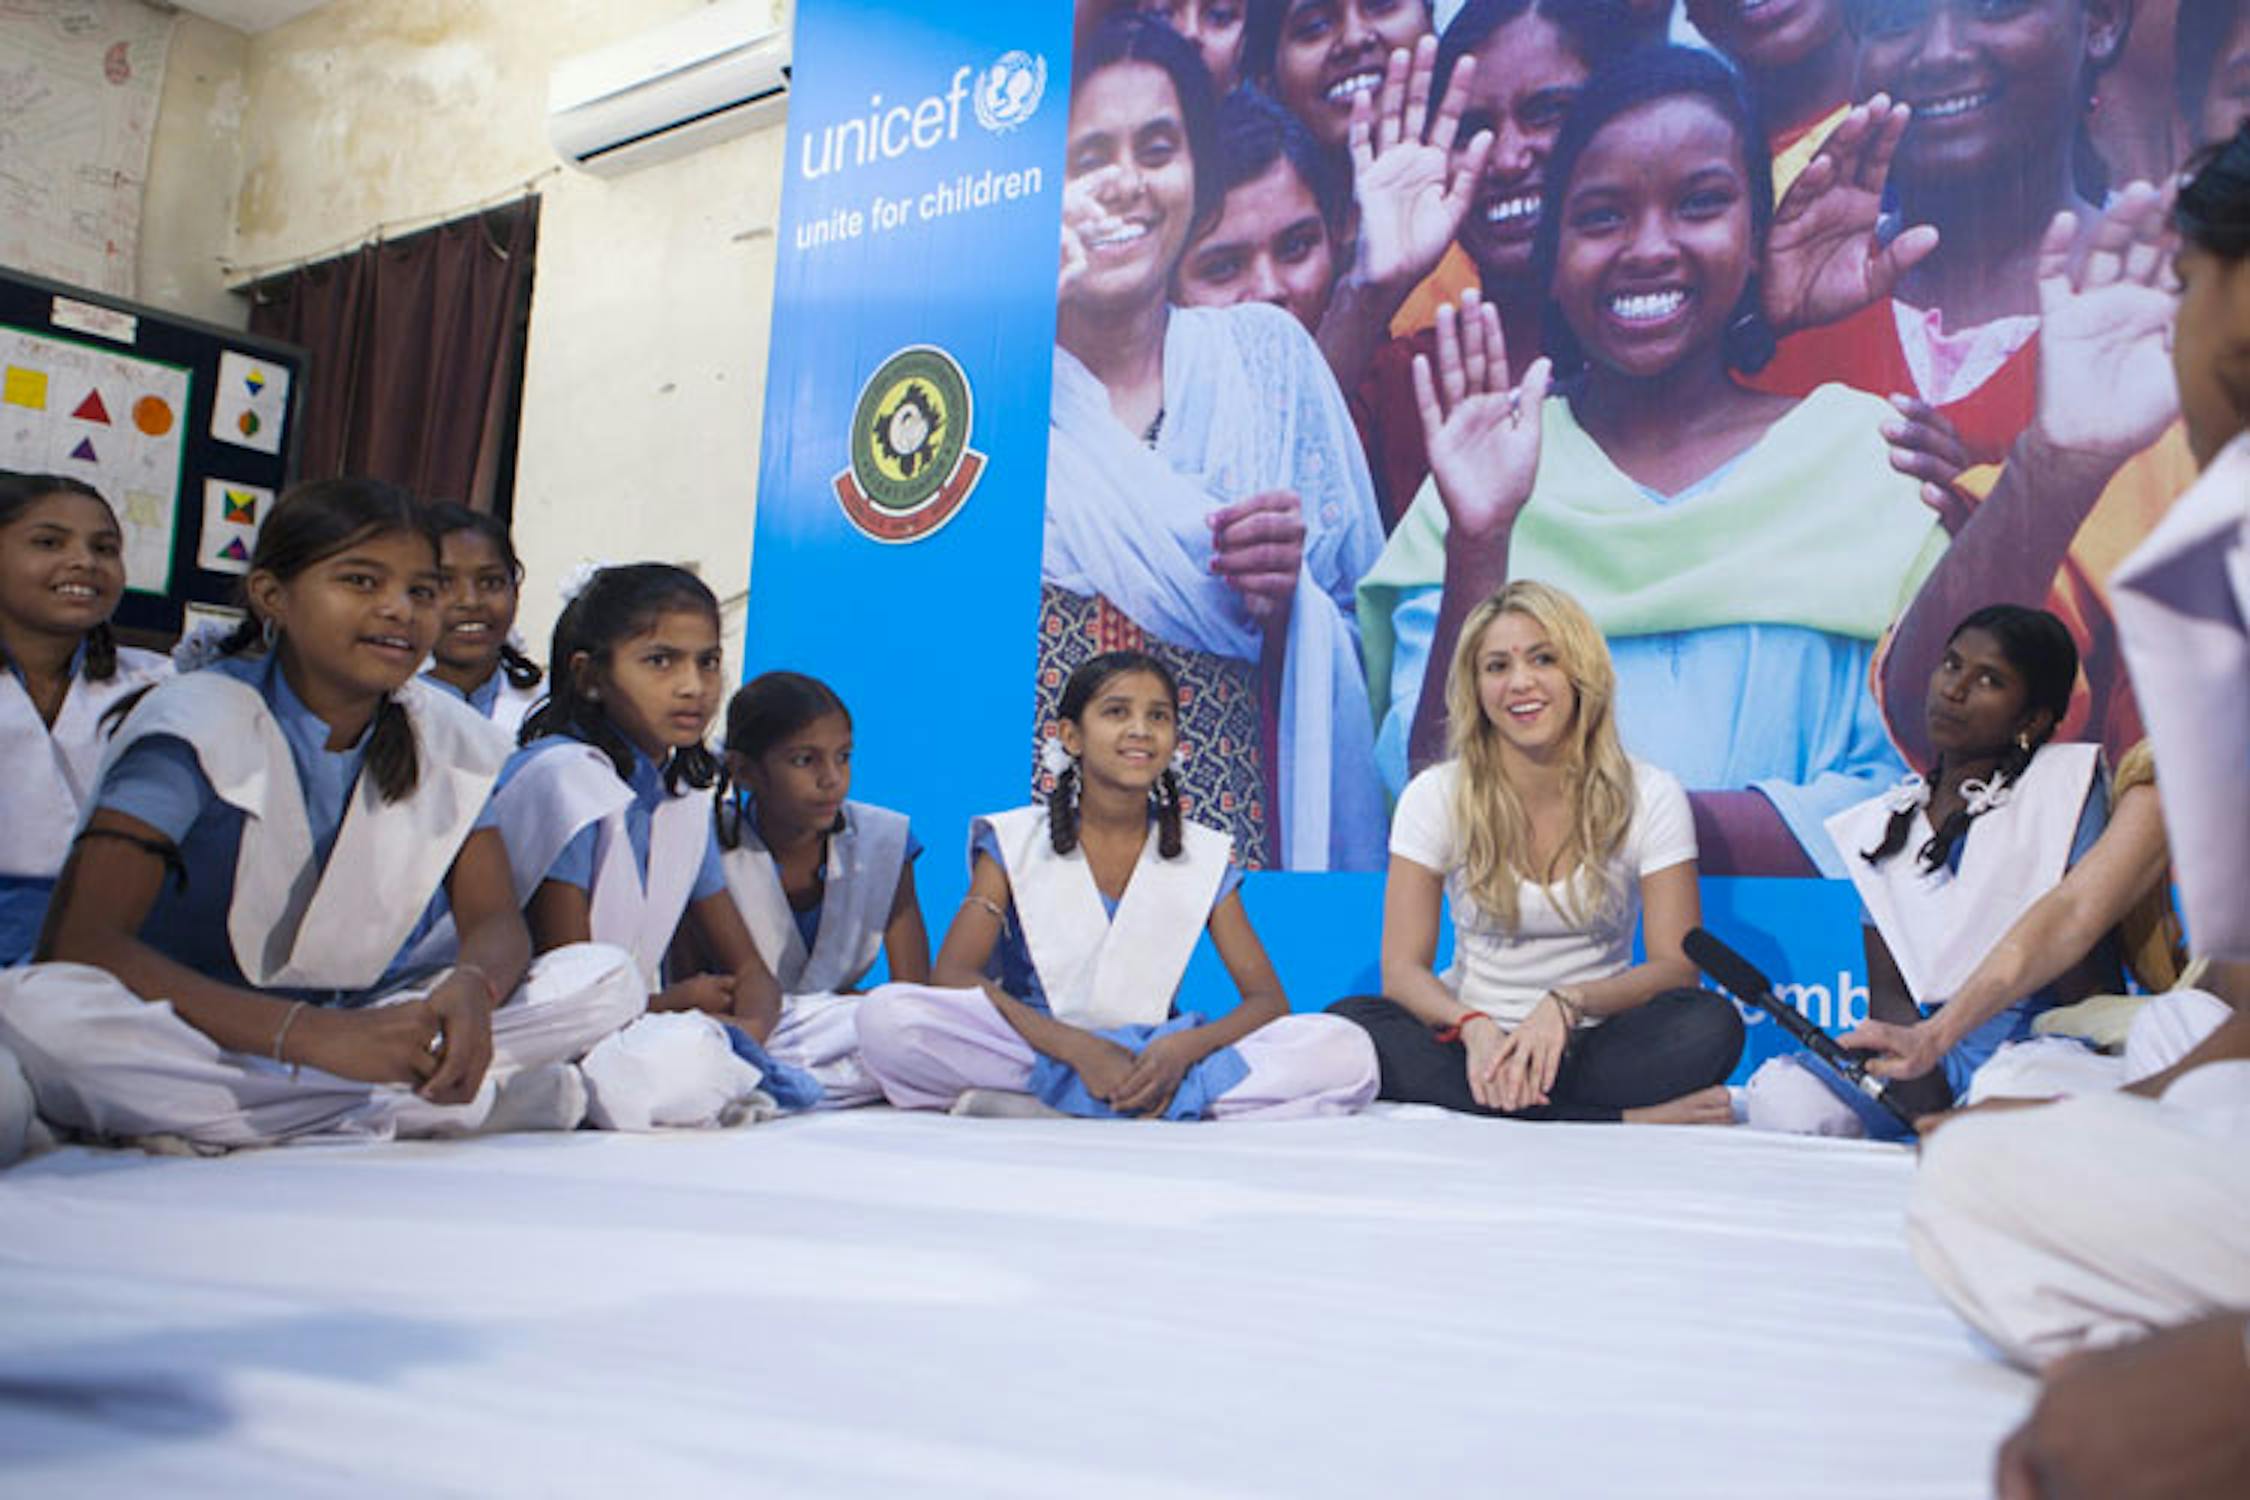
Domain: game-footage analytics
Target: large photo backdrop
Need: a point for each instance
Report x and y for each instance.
(1105, 334)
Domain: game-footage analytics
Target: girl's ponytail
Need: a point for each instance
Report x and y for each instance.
(1938, 851)
(393, 759)
(1168, 818)
(101, 653)
(520, 670)
(1903, 813)
(1062, 810)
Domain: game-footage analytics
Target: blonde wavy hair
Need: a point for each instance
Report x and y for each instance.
(1598, 776)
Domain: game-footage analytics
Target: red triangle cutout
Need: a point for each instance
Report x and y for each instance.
(92, 410)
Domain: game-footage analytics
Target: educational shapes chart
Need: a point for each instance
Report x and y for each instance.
(251, 404)
(232, 514)
(108, 419)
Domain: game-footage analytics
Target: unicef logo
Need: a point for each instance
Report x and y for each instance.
(1008, 92)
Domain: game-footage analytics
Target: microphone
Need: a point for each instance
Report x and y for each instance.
(1740, 978)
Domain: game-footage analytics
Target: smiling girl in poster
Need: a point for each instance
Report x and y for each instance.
(1206, 497)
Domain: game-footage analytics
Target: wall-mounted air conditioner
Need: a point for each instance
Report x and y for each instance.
(714, 73)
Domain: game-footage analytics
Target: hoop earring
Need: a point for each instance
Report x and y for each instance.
(269, 631)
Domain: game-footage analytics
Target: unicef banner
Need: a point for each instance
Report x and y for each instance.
(1125, 335)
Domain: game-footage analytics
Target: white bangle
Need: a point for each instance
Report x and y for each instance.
(281, 1032)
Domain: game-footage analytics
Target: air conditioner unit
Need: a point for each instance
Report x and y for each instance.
(713, 74)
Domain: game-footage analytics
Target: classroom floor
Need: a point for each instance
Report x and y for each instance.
(872, 1303)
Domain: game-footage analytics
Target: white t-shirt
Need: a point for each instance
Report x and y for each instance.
(1503, 974)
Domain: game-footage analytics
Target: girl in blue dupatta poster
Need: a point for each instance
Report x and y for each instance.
(1207, 500)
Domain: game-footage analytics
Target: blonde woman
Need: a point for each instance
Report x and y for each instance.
(1552, 845)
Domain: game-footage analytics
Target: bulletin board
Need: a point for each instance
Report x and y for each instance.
(188, 429)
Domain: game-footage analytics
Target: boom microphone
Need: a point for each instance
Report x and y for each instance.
(1740, 978)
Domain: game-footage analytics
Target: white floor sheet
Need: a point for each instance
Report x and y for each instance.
(875, 1303)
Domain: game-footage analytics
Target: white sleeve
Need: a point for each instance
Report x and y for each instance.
(1663, 826)
(1422, 828)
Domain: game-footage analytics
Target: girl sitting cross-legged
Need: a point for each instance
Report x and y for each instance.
(1552, 845)
(1057, 983)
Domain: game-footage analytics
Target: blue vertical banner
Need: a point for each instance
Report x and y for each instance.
(910, 553)
(903, 476)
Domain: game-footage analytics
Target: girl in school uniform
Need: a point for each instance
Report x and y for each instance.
(824, 883)
(1945, 864)
(476, 656)
(62, 569)
(223, 960)
(1056, 984)
(607, 816)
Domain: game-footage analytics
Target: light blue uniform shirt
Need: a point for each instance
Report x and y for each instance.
(159, 781)
(482, 700)
(575, 864)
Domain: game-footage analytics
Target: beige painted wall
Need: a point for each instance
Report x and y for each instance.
(646, 369)
(194, 172)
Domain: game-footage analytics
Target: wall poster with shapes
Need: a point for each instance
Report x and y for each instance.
(126, 398)
(232, 515)
(250, 407)
(109, 419)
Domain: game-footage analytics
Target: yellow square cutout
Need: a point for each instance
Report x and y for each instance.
(25, 388)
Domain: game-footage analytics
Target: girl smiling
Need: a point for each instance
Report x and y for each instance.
(1206, 497)
(1742, 552)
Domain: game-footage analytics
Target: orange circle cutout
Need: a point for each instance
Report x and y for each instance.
(152, 415)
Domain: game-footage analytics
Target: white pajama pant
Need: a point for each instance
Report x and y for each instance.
(102, 1060)
(926, 1046)
(2166, 1029)
(2092, 1221)
(820, 1033)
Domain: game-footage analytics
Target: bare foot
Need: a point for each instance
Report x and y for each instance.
(1709, 1106)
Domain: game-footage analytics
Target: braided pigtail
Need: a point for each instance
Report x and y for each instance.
(1903, 813)
(1168, 833)
(726, 811)
(1062, 811)
(101, 653)
(693, 764)
(392, 756)
(1939, 850)
(520, 670)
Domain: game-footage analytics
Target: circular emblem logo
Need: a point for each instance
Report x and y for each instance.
(911, 464)
(1008, 92)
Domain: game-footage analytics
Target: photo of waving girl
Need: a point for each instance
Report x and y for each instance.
(1206, 497)
(1743, 553)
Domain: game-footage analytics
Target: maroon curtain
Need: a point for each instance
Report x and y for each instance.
(417, 345)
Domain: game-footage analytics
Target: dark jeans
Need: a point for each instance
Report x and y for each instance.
(1681, 1041)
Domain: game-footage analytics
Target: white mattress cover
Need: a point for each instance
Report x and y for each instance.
(873, 1302)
